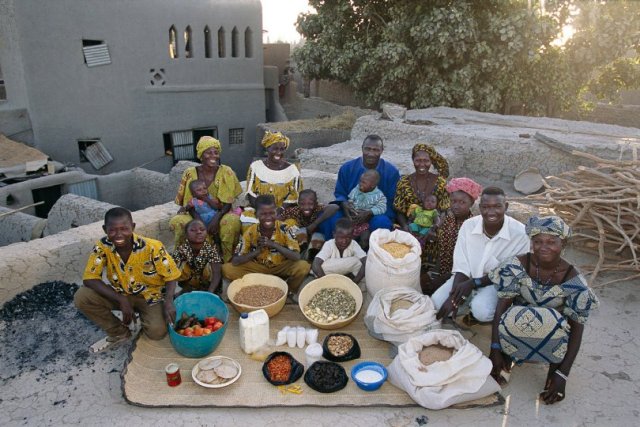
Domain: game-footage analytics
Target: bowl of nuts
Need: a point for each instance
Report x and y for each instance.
(330, 302)
(257, 291)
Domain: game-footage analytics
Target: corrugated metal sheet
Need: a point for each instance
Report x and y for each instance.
(84, 188)
(182, 143)
(96, 55)
(98, 155)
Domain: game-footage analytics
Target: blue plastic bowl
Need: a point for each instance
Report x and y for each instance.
(202, 304)
(373, 366)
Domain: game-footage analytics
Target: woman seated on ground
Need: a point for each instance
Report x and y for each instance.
(413, 188)
(542, 308)
(199, 261)
(274, 175)
(463, 193)
(223, 185)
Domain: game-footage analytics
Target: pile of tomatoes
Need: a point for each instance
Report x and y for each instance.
(202, 328)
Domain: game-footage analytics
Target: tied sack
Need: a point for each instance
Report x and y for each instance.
(383, 270)
(461, 378)
(397, 314)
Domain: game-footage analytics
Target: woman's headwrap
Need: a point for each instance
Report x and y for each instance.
(205, 143)
(553, 225)
(439, 162)
(467, 185)
(271, 138)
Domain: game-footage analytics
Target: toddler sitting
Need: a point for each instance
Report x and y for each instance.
(201, 206)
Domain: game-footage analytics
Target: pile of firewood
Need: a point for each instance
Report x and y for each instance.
(601, 203)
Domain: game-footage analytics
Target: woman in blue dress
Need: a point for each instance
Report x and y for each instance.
(542, 307)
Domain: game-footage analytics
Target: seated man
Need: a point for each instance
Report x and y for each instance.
(269, 247)
(349, 178)
(483, 242)
(342, 254)
(138, 270)
(308, 216)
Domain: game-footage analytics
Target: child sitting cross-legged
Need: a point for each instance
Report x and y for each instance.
(342, 254)
(201, 206)
(198, 260)
(269, 247)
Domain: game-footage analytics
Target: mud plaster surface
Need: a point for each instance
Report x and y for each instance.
(49, 378)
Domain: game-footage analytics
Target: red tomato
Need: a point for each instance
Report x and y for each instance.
(206, 331)
(180, 331)
(217, 325)
(209, 320)
(188, 332)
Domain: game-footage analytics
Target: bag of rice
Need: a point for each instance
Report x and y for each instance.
(397, 314)
(393, 260)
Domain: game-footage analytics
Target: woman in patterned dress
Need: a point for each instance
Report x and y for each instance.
(542, 308)
(222, 184)
(274, 175)
(412, 189)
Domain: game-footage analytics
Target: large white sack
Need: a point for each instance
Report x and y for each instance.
(383, 270)
(398, 326)
(462, 378)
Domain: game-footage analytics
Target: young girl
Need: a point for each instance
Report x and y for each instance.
(198, 260)
(202, 206)
(365, 198)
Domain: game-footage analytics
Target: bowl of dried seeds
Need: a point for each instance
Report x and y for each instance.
(330, 302)
(255, 291)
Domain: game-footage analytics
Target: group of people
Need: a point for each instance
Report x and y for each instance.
(506, 273)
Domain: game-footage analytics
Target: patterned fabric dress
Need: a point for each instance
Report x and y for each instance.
(447, 236)
(406, 196)
(196, 270)
(225, 187)
(535, 327)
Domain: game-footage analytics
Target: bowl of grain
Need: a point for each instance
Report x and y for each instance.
(330, 302)
(257, 291)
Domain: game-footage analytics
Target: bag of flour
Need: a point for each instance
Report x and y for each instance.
(393, 260)
(461, 377)
(397, 314)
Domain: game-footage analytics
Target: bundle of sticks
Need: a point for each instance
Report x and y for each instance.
(601, 203)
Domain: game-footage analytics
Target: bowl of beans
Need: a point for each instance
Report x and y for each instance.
(257, 291)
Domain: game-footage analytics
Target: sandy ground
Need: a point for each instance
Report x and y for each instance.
(49, 378)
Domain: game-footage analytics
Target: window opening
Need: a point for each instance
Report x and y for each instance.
(248, 45)
(207, 42)
(221, 43)
(234, 43)
(181, 145)
(236, 136)
(188, 46)
(173, 42)
(95, 52)
(83, 144)
(48, 195)
(3, 90)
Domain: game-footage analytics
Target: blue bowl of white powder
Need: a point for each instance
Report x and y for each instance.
(369, 376)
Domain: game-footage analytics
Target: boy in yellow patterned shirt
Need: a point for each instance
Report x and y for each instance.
(140, 275)
(269, 247)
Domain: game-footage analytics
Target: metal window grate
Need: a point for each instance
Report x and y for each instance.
(96, 55)
(98, 155)
(236, 136)
(183, 146)
(84, 188)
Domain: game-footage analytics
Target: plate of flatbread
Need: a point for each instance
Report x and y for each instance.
(216, 372)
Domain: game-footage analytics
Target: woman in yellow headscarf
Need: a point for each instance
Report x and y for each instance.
(222, 184)
(274, 175)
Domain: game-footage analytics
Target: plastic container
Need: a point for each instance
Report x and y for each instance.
(313, 353)
(369, 376)
(202, 304)
(254, 330)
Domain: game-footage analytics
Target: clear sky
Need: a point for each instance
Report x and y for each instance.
(279, 17)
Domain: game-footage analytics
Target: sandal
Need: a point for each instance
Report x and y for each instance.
(108, 342)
